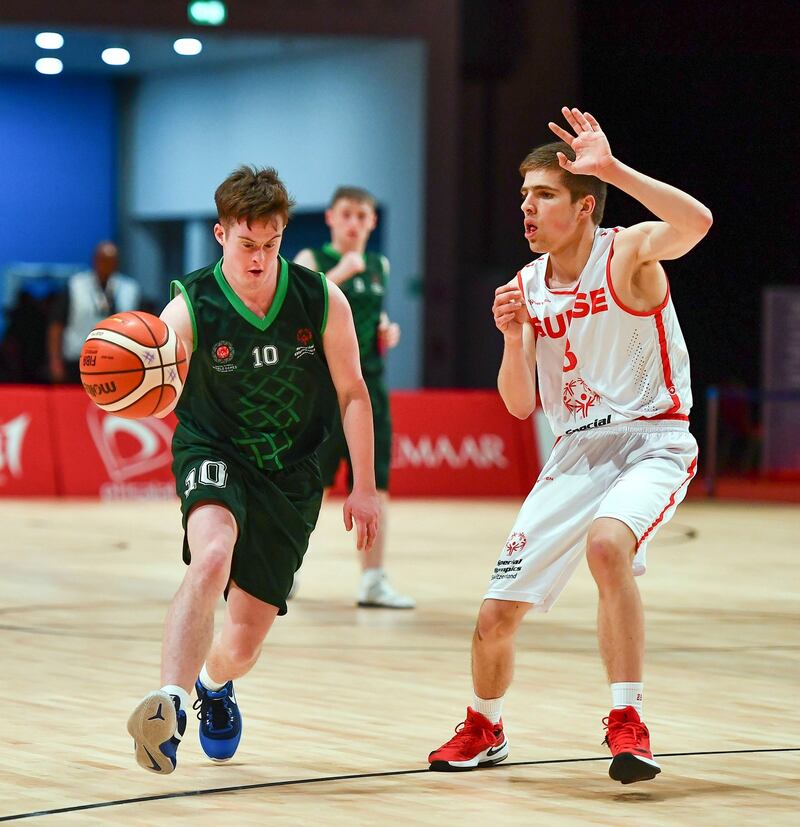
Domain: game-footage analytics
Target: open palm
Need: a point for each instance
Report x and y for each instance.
(589, 143)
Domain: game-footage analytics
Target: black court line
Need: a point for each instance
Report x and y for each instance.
(390, 774)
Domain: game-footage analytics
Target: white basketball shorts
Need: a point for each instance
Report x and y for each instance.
(637, 473)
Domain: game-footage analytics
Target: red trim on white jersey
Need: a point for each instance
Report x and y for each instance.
(689, 474)
(530, 318)
(618, 301)
(665, 363)
(676, 417)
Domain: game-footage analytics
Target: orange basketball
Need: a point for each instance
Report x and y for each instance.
(133, 365)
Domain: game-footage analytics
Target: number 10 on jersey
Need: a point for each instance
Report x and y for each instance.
(267, 355)
(211, 472)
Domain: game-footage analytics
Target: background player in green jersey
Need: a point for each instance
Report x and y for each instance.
(273, 349)
(362, 277)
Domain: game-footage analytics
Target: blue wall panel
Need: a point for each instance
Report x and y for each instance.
(57, 167)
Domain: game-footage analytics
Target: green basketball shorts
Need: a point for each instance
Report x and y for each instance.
(275, 512)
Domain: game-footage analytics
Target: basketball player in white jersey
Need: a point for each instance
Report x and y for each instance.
(593, 318)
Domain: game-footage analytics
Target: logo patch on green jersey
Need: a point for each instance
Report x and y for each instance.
(222, 354)
(305, 347)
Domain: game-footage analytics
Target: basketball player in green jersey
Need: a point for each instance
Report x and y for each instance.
(273, 348)
(362, 276)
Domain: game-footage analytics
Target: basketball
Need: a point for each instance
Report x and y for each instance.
(133, 365)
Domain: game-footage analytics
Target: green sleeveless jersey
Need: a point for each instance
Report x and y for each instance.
(258, 387)
(365, 293)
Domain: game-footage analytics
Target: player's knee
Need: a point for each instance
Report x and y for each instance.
(243, 649)
(607, 557)
(497, 621)
(212, 567)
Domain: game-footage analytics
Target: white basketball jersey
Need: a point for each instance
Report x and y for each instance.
(599, 363)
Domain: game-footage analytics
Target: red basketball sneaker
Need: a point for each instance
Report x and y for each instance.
(629, 741)
(477, 743)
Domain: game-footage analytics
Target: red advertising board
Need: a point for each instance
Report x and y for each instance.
(26, 450)
(460, 443)
(106, 456)
(446, 443)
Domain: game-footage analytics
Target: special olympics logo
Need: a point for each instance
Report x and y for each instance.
(304, 336)
(579, 397)
(516, 542)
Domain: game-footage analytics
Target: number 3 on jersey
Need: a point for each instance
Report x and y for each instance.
(211, 472)
(570, 359)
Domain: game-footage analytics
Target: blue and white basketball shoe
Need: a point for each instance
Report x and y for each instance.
(220, 721)
(157, 726)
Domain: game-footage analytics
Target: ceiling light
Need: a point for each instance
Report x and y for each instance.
(187, 46)
(115, 56)
(49, 65)
(49, 40)
(207, 12)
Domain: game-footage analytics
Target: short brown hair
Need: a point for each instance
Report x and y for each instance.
(252, 194)
(544, 157)
(354, 194)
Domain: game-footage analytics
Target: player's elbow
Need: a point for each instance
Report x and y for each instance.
(520, 412)
(520, 408)
(518, 404)
(703, 221)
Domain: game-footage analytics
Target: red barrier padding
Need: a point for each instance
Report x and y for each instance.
(460, 443)
(446, 443)
(27, 466)
(105, 456)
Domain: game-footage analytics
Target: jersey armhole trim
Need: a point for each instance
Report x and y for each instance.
(620, 304)
(174, 287)
(325, 297)
(531, 319)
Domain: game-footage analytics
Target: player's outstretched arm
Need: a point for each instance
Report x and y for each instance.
(176, 315)
(684, 220)
(516, 379)
(362, 507)
(305, 258)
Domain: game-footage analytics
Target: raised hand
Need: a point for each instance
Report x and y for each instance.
(388, 335)
(592, 151)
(350, 264)
(509, 311)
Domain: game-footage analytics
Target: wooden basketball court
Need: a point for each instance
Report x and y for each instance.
(346, 703)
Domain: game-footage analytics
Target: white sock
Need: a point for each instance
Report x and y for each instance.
(208, 681)
(491, 708)
(627, 694)
(183, 695)
(371, 577)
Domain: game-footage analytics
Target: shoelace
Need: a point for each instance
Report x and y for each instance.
(465, 732)
(625, 734)
(218, 713)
